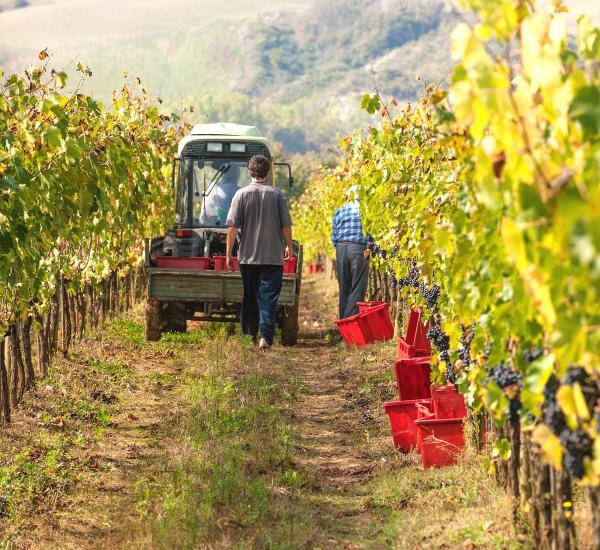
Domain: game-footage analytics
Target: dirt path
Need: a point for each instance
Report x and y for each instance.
(327, 425)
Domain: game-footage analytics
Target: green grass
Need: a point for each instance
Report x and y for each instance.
(240, 448)
(47, 467)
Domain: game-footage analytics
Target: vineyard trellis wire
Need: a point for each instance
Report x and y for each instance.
(490, 191)
(81, 185)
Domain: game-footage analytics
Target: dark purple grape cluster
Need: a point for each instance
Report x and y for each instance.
(438, 337)
(578, 445)
(552, 414)
(574, 375)
(504, 376)
(554, 418)
(466, 338)
(450, 374)
(551, 388)
(441, 341)
(412, 279)
(376, 250)
(532, 354)
(591, 391)
(430, 295)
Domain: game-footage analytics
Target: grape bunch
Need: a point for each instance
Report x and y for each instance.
(532, 354)
(438, 337)
(450, 374)
(578, 445)
(504, 376)
(554, 418)
(441, 341)
(376, 250)
(591, 392)
(394, 251)
(574, 375)
(430, 295)
(412, 279)
(552, 414)
(466, 337)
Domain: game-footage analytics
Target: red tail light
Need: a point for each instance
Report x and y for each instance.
(184, 233)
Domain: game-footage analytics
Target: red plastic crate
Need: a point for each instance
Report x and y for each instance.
(354, 331)
(183, 262)
(221, 266)
(447, 402)
(415, 343)
(315, 268)
(424, 410)
(406, 351)
(378, 320)
(290, 265)
(413, 378)
(441, 440)
(363, 306)
(402, 416)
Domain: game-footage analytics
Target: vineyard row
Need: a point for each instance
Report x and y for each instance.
(482, 205)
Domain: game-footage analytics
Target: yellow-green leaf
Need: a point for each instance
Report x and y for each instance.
(550, 445)
(580, 403)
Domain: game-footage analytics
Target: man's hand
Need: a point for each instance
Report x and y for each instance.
(287, 239)
(231, 236)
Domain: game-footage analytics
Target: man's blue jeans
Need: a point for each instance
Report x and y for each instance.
(262, 285)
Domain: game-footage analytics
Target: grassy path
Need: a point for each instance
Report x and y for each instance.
(199, 441)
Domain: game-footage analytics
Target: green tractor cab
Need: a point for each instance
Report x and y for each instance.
(211, 166)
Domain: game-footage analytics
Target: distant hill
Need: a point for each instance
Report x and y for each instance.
(294, 67)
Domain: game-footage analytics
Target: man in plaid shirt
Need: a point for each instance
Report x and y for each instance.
(350, 245)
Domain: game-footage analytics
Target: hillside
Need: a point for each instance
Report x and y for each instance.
(295, 67)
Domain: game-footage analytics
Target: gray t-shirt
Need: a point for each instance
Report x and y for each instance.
(260, 211)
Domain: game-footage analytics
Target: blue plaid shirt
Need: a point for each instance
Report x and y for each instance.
(347, 225)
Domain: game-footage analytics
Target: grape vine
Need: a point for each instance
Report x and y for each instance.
(487, 195)
(81, 184)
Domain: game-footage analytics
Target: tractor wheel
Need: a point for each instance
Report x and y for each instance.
(173, 318)
(289, 325)
(153, 320)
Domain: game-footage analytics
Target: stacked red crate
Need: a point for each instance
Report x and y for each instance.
(426, 416)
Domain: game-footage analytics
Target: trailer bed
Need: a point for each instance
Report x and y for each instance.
(200, 285)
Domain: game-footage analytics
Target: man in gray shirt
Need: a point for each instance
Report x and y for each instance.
(261, 213)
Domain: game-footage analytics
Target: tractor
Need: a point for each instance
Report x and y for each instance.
(187, 279)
